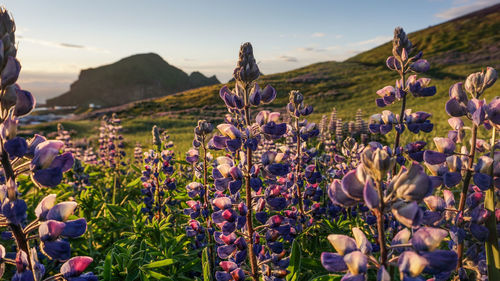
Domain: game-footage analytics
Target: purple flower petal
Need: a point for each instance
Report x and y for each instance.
(75, 266)
(48, 177)
(343, 244)
(351, 185)
(62, 211)
(451, 179)
(428, 238)
(338, 196)
(58, 249)
(455, 108)
(24, 104)
(75, 228)
(333, 262)
(483, 181)
(440, 261)
(434, 157)
(16, 147)
(370, 195)
(480, 232)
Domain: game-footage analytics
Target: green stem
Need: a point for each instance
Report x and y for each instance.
(16, 229)
(211, 250)
(248, 193)
(379, 213)
(113, 199)
(465, 188)
(299, 166)
(401, 115)
(491, 245)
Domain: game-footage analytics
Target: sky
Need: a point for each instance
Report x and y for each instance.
(58, 38)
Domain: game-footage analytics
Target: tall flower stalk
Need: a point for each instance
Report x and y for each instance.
(491, 245)
(41, 159)
(296, 109)
(477, 111)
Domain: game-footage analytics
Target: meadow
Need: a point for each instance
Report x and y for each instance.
(260, 179)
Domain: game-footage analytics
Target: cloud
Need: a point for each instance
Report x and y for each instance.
(318, 34)
(374, 41)
(288, 58)
(310, 49)
(69, 45)
(467, 7)
(60, 45)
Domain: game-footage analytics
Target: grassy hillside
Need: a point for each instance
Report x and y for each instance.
(454, 49)
(133, 78)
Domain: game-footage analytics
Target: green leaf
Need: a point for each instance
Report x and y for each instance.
(295, 260)
(107, 267)
(183, 162)
(158, 275)
(328, 278)
(161, 263)
(135, 168)
(133, 183)
(206, 265)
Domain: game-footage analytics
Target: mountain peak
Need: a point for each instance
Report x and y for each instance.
(136, 77)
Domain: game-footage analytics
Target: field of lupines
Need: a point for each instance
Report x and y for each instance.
(261, 196)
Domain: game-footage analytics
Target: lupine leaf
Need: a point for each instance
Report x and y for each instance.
(206, 265)
(107, 267)
(328, 278)
(295, 261)
(161, 263)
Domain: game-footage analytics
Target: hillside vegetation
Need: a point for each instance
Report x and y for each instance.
(454, 49)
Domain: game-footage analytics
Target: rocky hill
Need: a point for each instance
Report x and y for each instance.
(133, 78)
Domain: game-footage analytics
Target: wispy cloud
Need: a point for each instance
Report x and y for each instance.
(310, 49)
(318, 34)
(69, 45)
(60, 45)
(288, 58)
(464, 8)
(373, 41)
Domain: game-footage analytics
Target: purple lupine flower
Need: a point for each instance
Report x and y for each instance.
(72, 270)
(25, 102)
(387, 94)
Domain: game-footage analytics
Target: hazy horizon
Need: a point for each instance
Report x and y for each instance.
(205, 37)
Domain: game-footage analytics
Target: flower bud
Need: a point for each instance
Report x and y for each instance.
(456, 91)
(377, 162)
(10, 72)
(156, 135)
(255, 96)
(268, 94)
(413, 184)
(296, 98)
(9, 98)
(474, 83)
(399, 43)
(489, 77)
(420, 66)
(246, 70)
(392, 63)
(25, 103)
(8, 129)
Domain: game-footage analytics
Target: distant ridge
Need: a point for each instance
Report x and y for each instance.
(133, 78)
